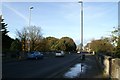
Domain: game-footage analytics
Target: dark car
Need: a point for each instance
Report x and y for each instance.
(34, 55)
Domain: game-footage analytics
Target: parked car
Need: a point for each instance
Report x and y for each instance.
(34, 55)
(59, 53)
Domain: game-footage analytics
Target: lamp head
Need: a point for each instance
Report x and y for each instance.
(31, 7)
(80, 1)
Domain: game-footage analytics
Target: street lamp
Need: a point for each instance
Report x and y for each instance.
(28, 41)
(81, 47)
(30, 15)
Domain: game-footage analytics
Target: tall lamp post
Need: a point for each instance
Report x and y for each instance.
(81, 47)
(29, 26)
(30, 15)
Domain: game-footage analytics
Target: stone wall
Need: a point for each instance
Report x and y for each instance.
(110, 66)
(107, 65)
(115, 67)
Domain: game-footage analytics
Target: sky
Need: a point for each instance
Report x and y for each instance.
(61, 19)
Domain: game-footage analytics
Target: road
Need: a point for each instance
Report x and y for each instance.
(42, 68)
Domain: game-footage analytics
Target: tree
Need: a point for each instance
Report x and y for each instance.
(30, 37)
(51, 43)
(35, 37)
(60, 45)
(116, 41)
(65, 44)
(117, 52)
(16, 45)
(6, 40)
(22, 36)
(114, 37)
(69, 43)
(43, 45)
(101, 46)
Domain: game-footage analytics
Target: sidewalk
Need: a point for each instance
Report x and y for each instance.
(93, 70)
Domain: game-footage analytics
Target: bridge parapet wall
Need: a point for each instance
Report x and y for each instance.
(110, 66)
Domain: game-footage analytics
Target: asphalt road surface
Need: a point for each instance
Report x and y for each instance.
(42, 68)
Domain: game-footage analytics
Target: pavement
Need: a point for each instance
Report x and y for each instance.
(93, 69)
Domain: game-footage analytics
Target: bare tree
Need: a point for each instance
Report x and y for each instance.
(30, 38)
(22, 36)
(35, 36)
